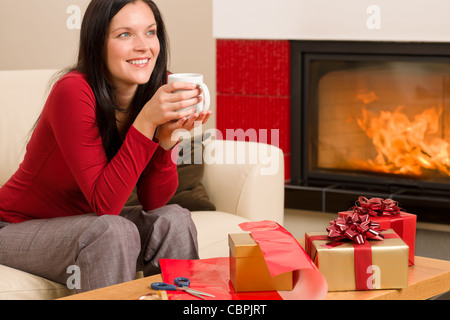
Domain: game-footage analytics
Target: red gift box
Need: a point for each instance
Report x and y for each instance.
(389, 216)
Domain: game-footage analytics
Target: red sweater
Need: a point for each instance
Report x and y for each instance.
(66, 172)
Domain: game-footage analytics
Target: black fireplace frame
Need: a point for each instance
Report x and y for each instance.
(330, 192)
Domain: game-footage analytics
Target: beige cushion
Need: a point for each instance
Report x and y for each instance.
(19, 285)
(213, 228)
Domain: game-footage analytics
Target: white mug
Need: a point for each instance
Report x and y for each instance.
(197, 79)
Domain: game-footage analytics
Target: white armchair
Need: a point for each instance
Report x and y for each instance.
(240, 192)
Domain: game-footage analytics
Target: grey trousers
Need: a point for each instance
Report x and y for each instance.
(104, 250)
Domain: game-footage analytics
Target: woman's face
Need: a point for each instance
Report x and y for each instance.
(132, 45)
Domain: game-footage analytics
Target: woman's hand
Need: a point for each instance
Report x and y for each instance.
(165, 106)
(167, 133)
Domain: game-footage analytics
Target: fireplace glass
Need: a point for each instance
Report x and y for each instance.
(380, 119)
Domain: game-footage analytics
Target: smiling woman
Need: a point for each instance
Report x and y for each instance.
(105, 129)
(132, 47)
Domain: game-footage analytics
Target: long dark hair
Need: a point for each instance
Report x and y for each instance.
(91, 61)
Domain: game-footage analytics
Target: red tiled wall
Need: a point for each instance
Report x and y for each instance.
(253, 88)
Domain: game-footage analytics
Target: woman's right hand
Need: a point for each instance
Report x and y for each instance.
(165, 105)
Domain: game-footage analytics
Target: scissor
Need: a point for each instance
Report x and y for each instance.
(181, 284)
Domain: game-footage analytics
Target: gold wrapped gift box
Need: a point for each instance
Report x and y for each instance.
(336, 262)
(248, 268)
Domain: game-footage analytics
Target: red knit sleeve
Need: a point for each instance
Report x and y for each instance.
(105, 184)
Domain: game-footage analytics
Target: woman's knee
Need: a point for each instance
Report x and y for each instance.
(176, 223)
(115, 231)
(109, 248)
(172, 236)
(173, 213)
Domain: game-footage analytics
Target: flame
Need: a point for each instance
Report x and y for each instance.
(406, 146)
(367, 97)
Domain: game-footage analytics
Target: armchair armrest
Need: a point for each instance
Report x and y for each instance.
(245, 179)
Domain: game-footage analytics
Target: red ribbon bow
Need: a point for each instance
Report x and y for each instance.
(357, 228)
(376, 207)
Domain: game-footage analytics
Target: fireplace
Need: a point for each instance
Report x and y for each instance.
(373, 119)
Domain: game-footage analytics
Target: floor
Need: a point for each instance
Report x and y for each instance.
(432, 240)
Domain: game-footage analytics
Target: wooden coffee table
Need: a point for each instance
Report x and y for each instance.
(427, 278)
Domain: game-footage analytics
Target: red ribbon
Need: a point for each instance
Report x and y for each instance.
(379, 208)
(376, 207)
(362, 257)
(356, 228)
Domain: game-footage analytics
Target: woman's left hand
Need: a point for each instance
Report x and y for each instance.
(168, 133)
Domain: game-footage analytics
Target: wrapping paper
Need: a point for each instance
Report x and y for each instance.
(282, 254)
(208, 275)
(375, 264)
(281, 250)
(212, 276)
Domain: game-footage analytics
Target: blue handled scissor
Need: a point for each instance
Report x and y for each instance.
(181, 284)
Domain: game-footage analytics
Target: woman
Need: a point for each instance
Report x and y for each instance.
(106, 127)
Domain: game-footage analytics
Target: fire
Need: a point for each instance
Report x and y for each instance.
(406, 146)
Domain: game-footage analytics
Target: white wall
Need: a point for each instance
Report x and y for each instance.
(34, 34)
(385, 20)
